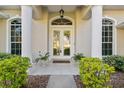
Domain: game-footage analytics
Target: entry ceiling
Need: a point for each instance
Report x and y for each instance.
(67, 8)
(7, 7)
(55, 8)
(112, 7)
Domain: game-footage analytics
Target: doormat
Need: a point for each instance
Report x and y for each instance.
(61, 61)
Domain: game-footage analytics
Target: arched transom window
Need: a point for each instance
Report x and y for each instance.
(61, 21)
(107, 36)
(15, 36)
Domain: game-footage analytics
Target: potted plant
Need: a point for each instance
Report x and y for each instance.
(77, 57)
(43, 59)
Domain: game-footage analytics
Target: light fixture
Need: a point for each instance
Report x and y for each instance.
(61, 12)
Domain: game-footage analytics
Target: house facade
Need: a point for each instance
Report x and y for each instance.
(62, 31)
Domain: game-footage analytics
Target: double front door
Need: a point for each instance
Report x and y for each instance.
(62, 42)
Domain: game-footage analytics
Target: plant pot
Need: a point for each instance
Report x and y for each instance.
(44, 63)
(76, 63)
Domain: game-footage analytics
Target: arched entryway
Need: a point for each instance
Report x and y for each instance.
(61, 38)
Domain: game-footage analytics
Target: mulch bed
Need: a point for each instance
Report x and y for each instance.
(117, 80)
(38, 81)
(78, 81)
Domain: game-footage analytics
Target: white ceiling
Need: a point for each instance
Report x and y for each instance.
(67, 8)
(7, 7)
(112, 7)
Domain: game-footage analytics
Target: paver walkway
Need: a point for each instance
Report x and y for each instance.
(61, 81)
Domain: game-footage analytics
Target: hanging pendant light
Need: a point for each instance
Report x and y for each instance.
(61, 12)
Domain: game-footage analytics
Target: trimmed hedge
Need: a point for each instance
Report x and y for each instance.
(116, 61)
(94, 73)
(13, 71)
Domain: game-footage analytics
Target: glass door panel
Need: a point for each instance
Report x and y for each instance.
(66, 43)
(56, 43)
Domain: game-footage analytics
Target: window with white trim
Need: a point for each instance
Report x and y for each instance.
(61, 21)
(107, 37)
(15, 36)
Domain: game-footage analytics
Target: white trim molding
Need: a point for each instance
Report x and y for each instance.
(114, 51)
(8, 30)
(70, 27)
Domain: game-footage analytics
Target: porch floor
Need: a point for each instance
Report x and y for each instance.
(54, 69)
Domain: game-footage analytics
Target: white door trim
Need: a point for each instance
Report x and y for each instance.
(61, 26)
(61, 29)
(62, 43)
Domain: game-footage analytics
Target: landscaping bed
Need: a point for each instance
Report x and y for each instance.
(78, 81)
(117, 80)
(38, 81)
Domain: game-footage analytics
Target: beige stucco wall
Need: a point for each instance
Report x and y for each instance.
(12, 13)
(120, 42)
(118, 15)
(2, 35)
(69, 14)
(39, 31)
(3, 28)
(39, 34)
(82, 31)
(83, 35)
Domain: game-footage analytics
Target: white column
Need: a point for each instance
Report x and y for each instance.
(96, 37)
(26, 16)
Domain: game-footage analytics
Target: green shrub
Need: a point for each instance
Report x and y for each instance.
(78, 56)
(6, 56)
(42, 57)
(94, 73)
(13, 72)
(116, 61)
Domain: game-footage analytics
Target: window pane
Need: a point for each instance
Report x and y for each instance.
(16, 37)
(110, 28)
(110, 33)
(12, 28)
(106, 39)
(110, 39)
(67, 43)
(62, 21)
(56, 43)
(106, 33)
(107, 30)
(103, 34)
(12, 39)
(103, 39)
(12, 33)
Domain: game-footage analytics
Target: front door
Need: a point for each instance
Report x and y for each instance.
(62, 43)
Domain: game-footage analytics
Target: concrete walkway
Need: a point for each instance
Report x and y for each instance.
(61, 81)
(54, 69)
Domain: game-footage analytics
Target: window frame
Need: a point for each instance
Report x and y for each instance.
(114, 35)
(8, 34)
